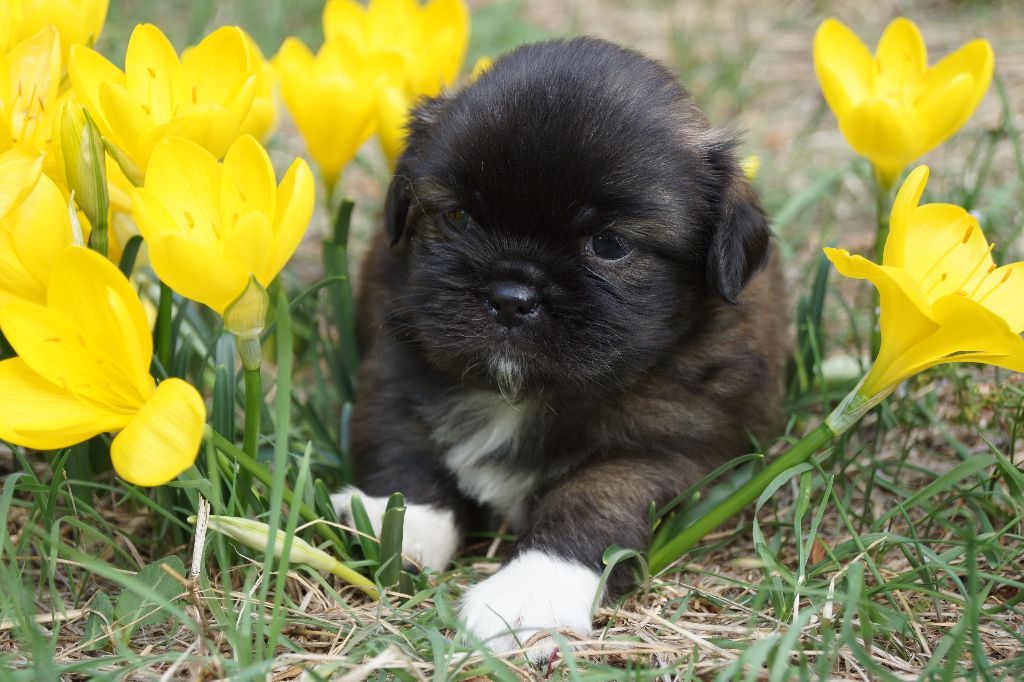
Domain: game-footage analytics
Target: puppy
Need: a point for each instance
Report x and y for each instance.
(566, 319)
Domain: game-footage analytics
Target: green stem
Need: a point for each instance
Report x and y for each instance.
(164, 347)
(253, 468)
(736, 502)
(849, 411)
(253, 411)
(98, 239)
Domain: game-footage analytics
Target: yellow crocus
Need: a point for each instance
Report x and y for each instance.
(211, 226)
(35, 227)
(430, 39)
(83, 369)
(892, 108)
(79, 22)
(332, 98)
(205, 97)
(262, 119)
(30, 96)
(943, 299)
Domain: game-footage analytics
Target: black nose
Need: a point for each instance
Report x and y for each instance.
(511, 302)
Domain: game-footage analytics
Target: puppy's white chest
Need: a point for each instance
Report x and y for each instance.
(479, 434)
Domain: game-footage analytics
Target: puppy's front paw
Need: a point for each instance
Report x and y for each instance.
(430, 535)
(535, 591)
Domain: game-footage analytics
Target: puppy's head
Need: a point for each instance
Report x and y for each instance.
(566, 219)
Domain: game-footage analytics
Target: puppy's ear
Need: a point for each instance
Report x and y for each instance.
(741, 241)
(399, 198)
(396, 206)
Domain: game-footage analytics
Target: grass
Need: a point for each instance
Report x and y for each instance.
(896, 554)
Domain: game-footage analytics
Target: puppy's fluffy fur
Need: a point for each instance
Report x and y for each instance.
(648, 349)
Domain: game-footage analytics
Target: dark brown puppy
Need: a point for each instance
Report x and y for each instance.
(566, 319)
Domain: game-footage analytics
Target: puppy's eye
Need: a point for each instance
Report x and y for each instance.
(608, 246)
(455, 219)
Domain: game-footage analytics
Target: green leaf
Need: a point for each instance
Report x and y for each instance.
(98, 625)
(391, 541)
(134, 609)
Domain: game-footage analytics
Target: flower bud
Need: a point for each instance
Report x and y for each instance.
(254, 534)
(81, 148)
(245, 318)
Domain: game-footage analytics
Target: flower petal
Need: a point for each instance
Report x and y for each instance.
(1003, 293)
(151, 69)
(392, 122)
(905, 315)
(964, 326)
(883, 133)
(295, 202)
(54, 348)
(103, 305)
(216, 67)
(39, 229)
(903, 208)
(197, 270)
(974, 58)
(162, 440)
(901, 60)
(131, 128)
(345, 20)
(186, 178)
(88, 70)
(35, 413)
(843, 65)
(248, 243)
(942, 110)
(247, 181)
(19, 171)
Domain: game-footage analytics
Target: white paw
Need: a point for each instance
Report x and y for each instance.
(430, 537)
(534, 591)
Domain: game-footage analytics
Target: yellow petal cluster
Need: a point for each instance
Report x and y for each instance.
(943, 299)
(429, 39)
(204, 97)
(376, 62)
(35, 227)
(79, 22)
(30, 92)
(83, 369)
(261, 122)
(891, 107)
(209, 226)
(332, 97)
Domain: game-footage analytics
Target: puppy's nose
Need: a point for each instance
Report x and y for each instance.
(511, 302)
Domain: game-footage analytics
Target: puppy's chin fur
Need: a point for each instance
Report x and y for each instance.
(508, 374)
(566, 320)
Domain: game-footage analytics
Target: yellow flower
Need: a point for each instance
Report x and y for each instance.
(35, 227)
(262, 119)
(332, 98)
(209, 226)
(428, 43)
(891, 107)
(943, 299)
(83, 369)
(79, 22)
(204, 97)
(30, 95)
(392, 120)
(430, 39)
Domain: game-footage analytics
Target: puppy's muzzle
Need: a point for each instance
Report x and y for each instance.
(512, 303)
